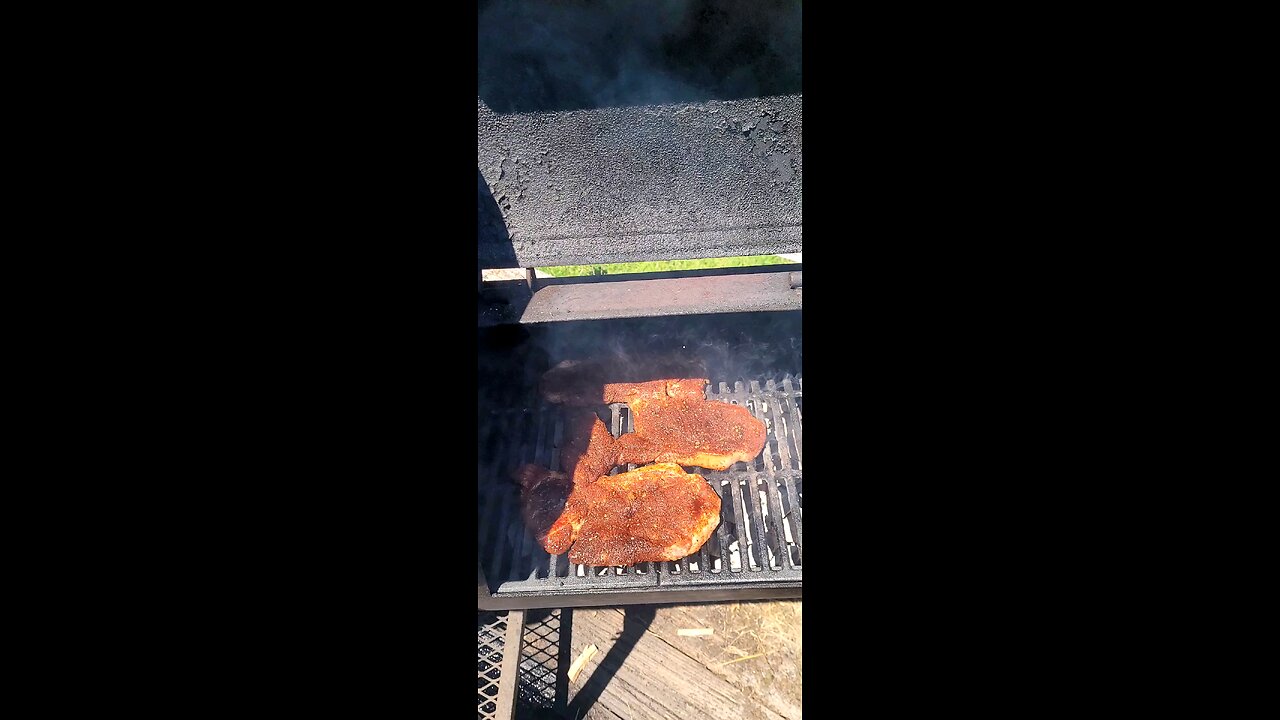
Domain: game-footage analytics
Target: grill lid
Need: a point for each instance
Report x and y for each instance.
(638, 131)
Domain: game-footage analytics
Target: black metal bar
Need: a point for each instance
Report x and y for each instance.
(780, 481)
(764, 470)
(742, 396)
(779, 533)
(499, 549)
(773, 499)
(615, 424)
(763, 590)
(755, 403)
(492, 528)
(788, 480)
(759, 544)
(511, 510)
(757, 520)
(628, 425)
(721, 534)
(740, 524)
(524, 539)
(541, 447)
(800, 391)
(793, 427)
(555, 562)
(490, 508)
(792, 518)
(541, 561)
(780, 425)
(542, 458)
(557, 437)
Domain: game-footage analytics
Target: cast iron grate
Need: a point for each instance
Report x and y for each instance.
(760, 537)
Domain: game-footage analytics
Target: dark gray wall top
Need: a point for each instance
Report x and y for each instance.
(644, 182)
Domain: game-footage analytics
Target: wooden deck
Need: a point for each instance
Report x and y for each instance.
(748, 669)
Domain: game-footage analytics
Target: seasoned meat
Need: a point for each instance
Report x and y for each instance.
(654, 513)
(543, 494)
(590, 452)
(589, 448)
(581, 382)
(674, 422)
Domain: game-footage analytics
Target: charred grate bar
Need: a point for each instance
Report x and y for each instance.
(756, 552)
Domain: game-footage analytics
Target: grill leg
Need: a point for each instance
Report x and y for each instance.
(512, 645)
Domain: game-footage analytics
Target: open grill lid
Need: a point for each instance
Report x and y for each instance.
(718, 179)
(657, 182)
(642, 132)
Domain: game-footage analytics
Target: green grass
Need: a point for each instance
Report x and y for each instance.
(662, 265)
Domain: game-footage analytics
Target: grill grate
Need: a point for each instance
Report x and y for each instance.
(759, 539)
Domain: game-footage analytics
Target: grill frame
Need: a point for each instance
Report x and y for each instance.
(529, 431)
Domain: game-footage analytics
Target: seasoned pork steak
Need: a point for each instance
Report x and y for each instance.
(654, 513)
(543, 494)
(674, 422)
(590, 451)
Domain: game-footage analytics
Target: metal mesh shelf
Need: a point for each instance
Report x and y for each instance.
(496, 669)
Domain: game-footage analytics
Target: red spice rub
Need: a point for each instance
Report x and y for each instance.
(674, 422)
(654, 513)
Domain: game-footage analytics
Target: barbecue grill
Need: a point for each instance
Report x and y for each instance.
(565, 177)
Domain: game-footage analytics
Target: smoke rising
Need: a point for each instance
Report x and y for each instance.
(566, 55)
(731, 347)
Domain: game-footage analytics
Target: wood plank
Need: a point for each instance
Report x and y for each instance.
(511, 644)
(772, 680)
(654, 680)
